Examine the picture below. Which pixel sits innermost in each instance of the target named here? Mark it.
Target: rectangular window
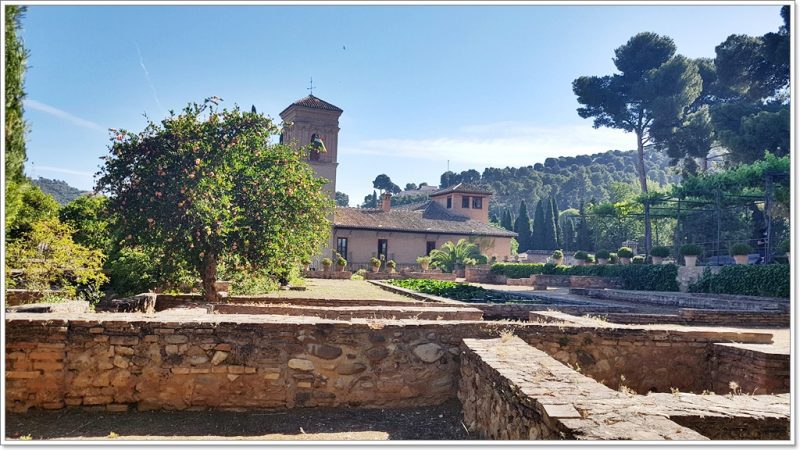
(449, 202)
(477, 202)
(341, 247)
(429, 247)
(383, 250)
(465, 202)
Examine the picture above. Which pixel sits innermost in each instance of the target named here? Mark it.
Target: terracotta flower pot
(740, 259)
(374, 268)
(424, 267)
(690, 260)
(558, 261)
(623, 260)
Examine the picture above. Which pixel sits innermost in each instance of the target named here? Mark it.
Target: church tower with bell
(315, 123)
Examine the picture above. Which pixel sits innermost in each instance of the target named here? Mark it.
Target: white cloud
(501, 144)
(55, 112)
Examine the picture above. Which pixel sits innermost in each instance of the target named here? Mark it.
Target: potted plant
(326, 264)
(580, 257)
(690, 252)
(424, 262)
(306, 262)
(590, 259)
(602, 256)
(613, 258)
(391, 265)
(558, 257)
(341, 263)
(375, 264)
(658, 253)
(625, 254)
(740, 252)
(638, 259)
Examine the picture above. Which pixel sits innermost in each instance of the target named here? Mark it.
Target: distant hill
(59, 189)
(569, 178)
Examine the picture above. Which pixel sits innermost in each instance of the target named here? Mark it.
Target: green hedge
(770, 280)
(639, 277)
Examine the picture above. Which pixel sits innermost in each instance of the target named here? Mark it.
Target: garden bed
(460, 291)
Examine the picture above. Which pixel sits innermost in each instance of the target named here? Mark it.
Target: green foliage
(613, 258)
(206, 183)
(602, 254)
(327, 262)
(506, 221)
(660, 251)
(26, 205)
(514, 247)
(522, 226)
(581, 255)
(375, 262)
(741, 249)
(453, 290)
(558, 254)
(772, 280)
(16, 60)
(455, 256)
(625, 252)
(342, 199)
(638, 259)
(391, 264)
(538, 232)
(641, 277)
(370, 201)
(60, 190)
(691, 250)
(423, 260)
(400, 200)
(784, 246)
(340, 261)
(132, 271)
(384, 183)
(87, 215)
(51, 259)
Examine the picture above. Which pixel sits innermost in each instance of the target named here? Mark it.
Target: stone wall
(16, 297)
(479, 274)
(753, 319)
(754, 370)
(328, 275)
(510, 390)
(689, 275)
(267, 361)
(428, 312)
(689, 300)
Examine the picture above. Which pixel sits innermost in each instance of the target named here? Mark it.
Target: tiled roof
(463, 188)
(314, 102)
(424, 218)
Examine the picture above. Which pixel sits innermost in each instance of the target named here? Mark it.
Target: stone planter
(658, 259)
(558, 261)
(624, 260)
(690, 260)
(340, 268)
(326, 268)
(222, 286)
(391, 270)
(460, 273)
(740, 259)
(374, 268)
(602, 261)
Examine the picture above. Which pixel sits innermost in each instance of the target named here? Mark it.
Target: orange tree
(208, 184)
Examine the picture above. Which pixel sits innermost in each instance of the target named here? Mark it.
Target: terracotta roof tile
(314, 102)
(425, 218)
(463, 187)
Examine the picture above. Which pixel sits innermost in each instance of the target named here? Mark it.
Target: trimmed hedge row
(639, 277)
(772, 280)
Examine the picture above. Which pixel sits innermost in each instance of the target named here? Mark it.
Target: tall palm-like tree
(455, 256)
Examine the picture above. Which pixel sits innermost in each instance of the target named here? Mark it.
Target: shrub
(613, 258)
(625, 252)
(305, 261)
(589, 258)
(326, 262)
(391, 264)
(691, 250)
(660, 251)
(785, 246)
(558, 254)
(359, 275)
(132, 271)
(454, 256)
(602, 254)
(581, 255)
(640, 277)
(375, 262)
(740, 249)
(771, 280)
(638, 259)
(456, 291)
(423, 260)
(340, 261)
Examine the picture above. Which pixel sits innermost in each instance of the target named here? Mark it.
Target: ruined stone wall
(116, 360)
(754, 371)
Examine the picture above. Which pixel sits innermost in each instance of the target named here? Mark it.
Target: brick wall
(752, 369)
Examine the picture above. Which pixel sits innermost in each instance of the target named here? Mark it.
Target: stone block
(301, 364)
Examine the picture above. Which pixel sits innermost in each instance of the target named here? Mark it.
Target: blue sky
(420, 85)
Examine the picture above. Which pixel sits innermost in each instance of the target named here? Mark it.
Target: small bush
(424, 260)
(590, 259)
(785, 246)
(391, 264)
(638, 259)
(453, 290)
(375, 262)
(581, 255)
(691, 250)
(771, 280)
(340, 261)
(740, 249)
(625, 252)
(326, 262)
(602, 254)
(613, 258)
(640, 277)
(558, 254)
(660, 251)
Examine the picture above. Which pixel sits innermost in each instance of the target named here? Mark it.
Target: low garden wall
(118, 361)
(16, 297)
(328, 275)
(428, 312)
(754, 370)
(753, 319)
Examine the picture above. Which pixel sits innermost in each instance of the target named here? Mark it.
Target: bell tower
(315, 123)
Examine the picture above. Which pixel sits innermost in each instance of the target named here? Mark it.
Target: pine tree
(538, 236)
(522, 226)
(507, 221)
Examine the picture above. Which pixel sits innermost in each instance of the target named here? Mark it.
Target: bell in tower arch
(317, 147)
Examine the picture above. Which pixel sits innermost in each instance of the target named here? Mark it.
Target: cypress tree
(538, 236)
(522, 226)
(559, 236)
(584, 234)
(549, 227)
(568, 238)
(506, 221)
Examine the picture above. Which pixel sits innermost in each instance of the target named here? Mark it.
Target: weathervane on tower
(310, 87)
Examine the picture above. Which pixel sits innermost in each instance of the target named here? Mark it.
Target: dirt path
(425, 423)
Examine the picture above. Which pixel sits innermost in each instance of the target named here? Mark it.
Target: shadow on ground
(441, 422)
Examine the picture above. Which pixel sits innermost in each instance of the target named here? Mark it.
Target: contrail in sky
(147, 76)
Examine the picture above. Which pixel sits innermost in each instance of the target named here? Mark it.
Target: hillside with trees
(60, 190)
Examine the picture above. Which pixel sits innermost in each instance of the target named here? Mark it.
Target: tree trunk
(643, 183)
(209, 275)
